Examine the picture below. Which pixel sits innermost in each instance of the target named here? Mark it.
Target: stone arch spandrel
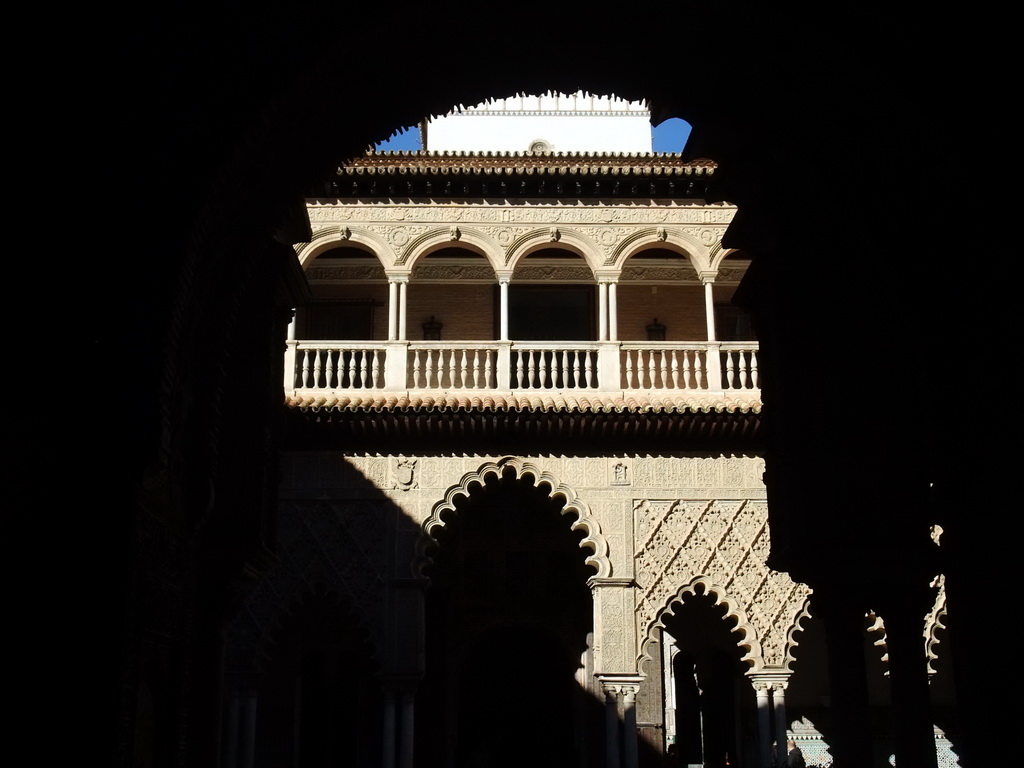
(593, 540)
(724, 544)
(689, 247)
(454, 235)
(331, 237)
(354, 569)
(553, 237)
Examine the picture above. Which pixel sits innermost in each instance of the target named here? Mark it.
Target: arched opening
(714, 704)
(507, 619)
(552, 297)
(319, 695)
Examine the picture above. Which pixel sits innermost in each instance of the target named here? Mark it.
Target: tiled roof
(530, 163)
(544, 403)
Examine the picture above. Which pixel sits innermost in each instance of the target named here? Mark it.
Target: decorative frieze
(542, 215)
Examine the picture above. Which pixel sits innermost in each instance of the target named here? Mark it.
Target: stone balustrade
(325, 367)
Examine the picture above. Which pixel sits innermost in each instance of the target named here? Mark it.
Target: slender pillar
(231, 731)
(843, 619)
(388, 754)
(763, 723)
(629, 738)
(503, 308)
(709, 307)
(291, 326)
(913, 731)
(406, 740)
(602, 311)
(613, 313)
(611, 726)
(247, 748)
(402, 303)
(392, 309)
(781, 737)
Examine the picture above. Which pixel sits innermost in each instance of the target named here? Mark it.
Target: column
(247, 748)
(388, 753)
(613, 313)
(629, 727)
(611, 726)
(503, 308)
(406, 738)
(392, 309)
(779, 705)
(913, 730)
(843, 619)
(402, 302)
(602, 311)
(231, 731)
(709, 307)
(763, 723)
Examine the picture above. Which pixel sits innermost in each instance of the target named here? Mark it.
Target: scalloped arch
(692, 248)
(748, 635)
(541, 238)
(285, 608)
(441, 236)
(594, 539)
(325, 239)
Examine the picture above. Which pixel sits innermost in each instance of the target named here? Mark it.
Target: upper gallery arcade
(538, 261)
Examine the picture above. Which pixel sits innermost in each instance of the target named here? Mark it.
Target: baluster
(519, 368)
(362, 367)
(465, 368)
(332, 369)
(453, 370)
(698, 371)
(588, 372)
(675, 369)
(375, 370)
(305, 368)
(576, 367)
(561, 379)
(530, 369)
(729, 370)
(317, 365)
(351, 373)
(542, 368)
(429, 369)
(688, 381)
(663, 365)
(416, 369)
(489, 382)
(652, 379)
(755, 380)
(629, 368)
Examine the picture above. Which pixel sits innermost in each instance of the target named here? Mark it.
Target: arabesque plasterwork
(725, 541)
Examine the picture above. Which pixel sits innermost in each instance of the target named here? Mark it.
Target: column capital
(607, 276)
(628, 685)
(707, 276)
(775, 680)
(503, 275)
(398, 277)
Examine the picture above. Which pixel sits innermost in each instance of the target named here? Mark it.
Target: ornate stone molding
(722, 545)
(594, 540)
(337, 544)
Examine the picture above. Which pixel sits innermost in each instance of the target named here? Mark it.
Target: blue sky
(670, 136)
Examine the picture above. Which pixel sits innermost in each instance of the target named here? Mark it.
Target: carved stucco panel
(341, 544)
(678, 540)
(615, 643)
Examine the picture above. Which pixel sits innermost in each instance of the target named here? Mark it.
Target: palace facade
(522, 515)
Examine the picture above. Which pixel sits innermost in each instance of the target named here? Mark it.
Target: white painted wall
(568, 122)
